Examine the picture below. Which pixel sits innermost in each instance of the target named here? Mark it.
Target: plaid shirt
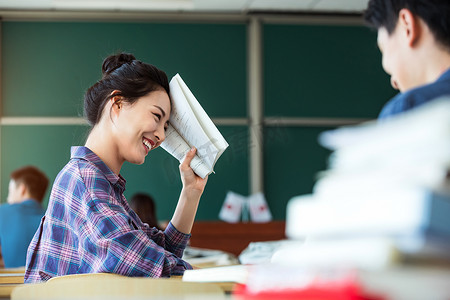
(89, 228)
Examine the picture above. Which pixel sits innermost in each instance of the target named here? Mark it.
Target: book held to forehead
(190, 126)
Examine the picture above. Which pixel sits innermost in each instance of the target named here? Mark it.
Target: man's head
(27, 183)
(406, 29)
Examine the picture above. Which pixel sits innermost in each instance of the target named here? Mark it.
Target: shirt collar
(444, 76)
(28, 202)
(85, 153)
(31, 202)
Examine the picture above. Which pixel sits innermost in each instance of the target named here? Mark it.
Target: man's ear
(410, 26)
(22, 190)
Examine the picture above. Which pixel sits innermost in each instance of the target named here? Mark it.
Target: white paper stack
(386, 193)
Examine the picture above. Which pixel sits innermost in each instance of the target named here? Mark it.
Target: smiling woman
(127, 130)
(89, 226)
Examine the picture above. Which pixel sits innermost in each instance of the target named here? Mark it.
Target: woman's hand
(192, 183)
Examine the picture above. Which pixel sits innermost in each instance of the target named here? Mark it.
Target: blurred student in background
(20, 217)
(144, 206)
(414, 39)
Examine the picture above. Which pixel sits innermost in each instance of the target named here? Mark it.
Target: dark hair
(144, 206)
(132, 78)
(435, 13)
(34, 179)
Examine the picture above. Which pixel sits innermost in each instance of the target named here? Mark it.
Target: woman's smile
(148, 144)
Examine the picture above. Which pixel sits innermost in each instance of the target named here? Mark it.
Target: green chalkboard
(292, 157)
(329, 71)
(47, 66)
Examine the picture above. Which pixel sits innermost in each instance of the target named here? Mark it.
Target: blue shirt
(417, 96)
(18, 223)
(90, 228)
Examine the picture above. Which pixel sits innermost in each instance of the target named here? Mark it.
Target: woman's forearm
(184, 215)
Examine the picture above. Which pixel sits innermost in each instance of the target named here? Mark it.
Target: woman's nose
(160, 135)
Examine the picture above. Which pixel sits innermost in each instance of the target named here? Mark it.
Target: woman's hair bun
(113, 62)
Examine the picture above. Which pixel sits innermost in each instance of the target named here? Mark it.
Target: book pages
(190, 127)
(178, 147)
(205, 122)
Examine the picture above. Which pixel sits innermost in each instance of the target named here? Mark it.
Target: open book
(190, 126)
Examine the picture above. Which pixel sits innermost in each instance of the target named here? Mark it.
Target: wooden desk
(8, 281)
(234, 238)
(13, 270)
(104, 286)
(11, 277)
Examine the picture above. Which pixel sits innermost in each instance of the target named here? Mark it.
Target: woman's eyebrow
(162, 111)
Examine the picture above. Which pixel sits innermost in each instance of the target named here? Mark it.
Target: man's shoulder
(414, 98)
(8, 211)
(5, 208)
(27, 207)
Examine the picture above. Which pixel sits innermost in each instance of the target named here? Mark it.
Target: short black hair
(435, 13)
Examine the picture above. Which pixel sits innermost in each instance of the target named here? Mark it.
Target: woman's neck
(103, 146)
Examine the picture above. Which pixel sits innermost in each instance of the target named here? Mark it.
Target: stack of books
(377, 225)
(385, 197)
(381, 210)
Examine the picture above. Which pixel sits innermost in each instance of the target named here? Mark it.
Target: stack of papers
(411, 150)
(385, 196)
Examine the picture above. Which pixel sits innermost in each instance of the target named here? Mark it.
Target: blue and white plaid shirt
(90, 228)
